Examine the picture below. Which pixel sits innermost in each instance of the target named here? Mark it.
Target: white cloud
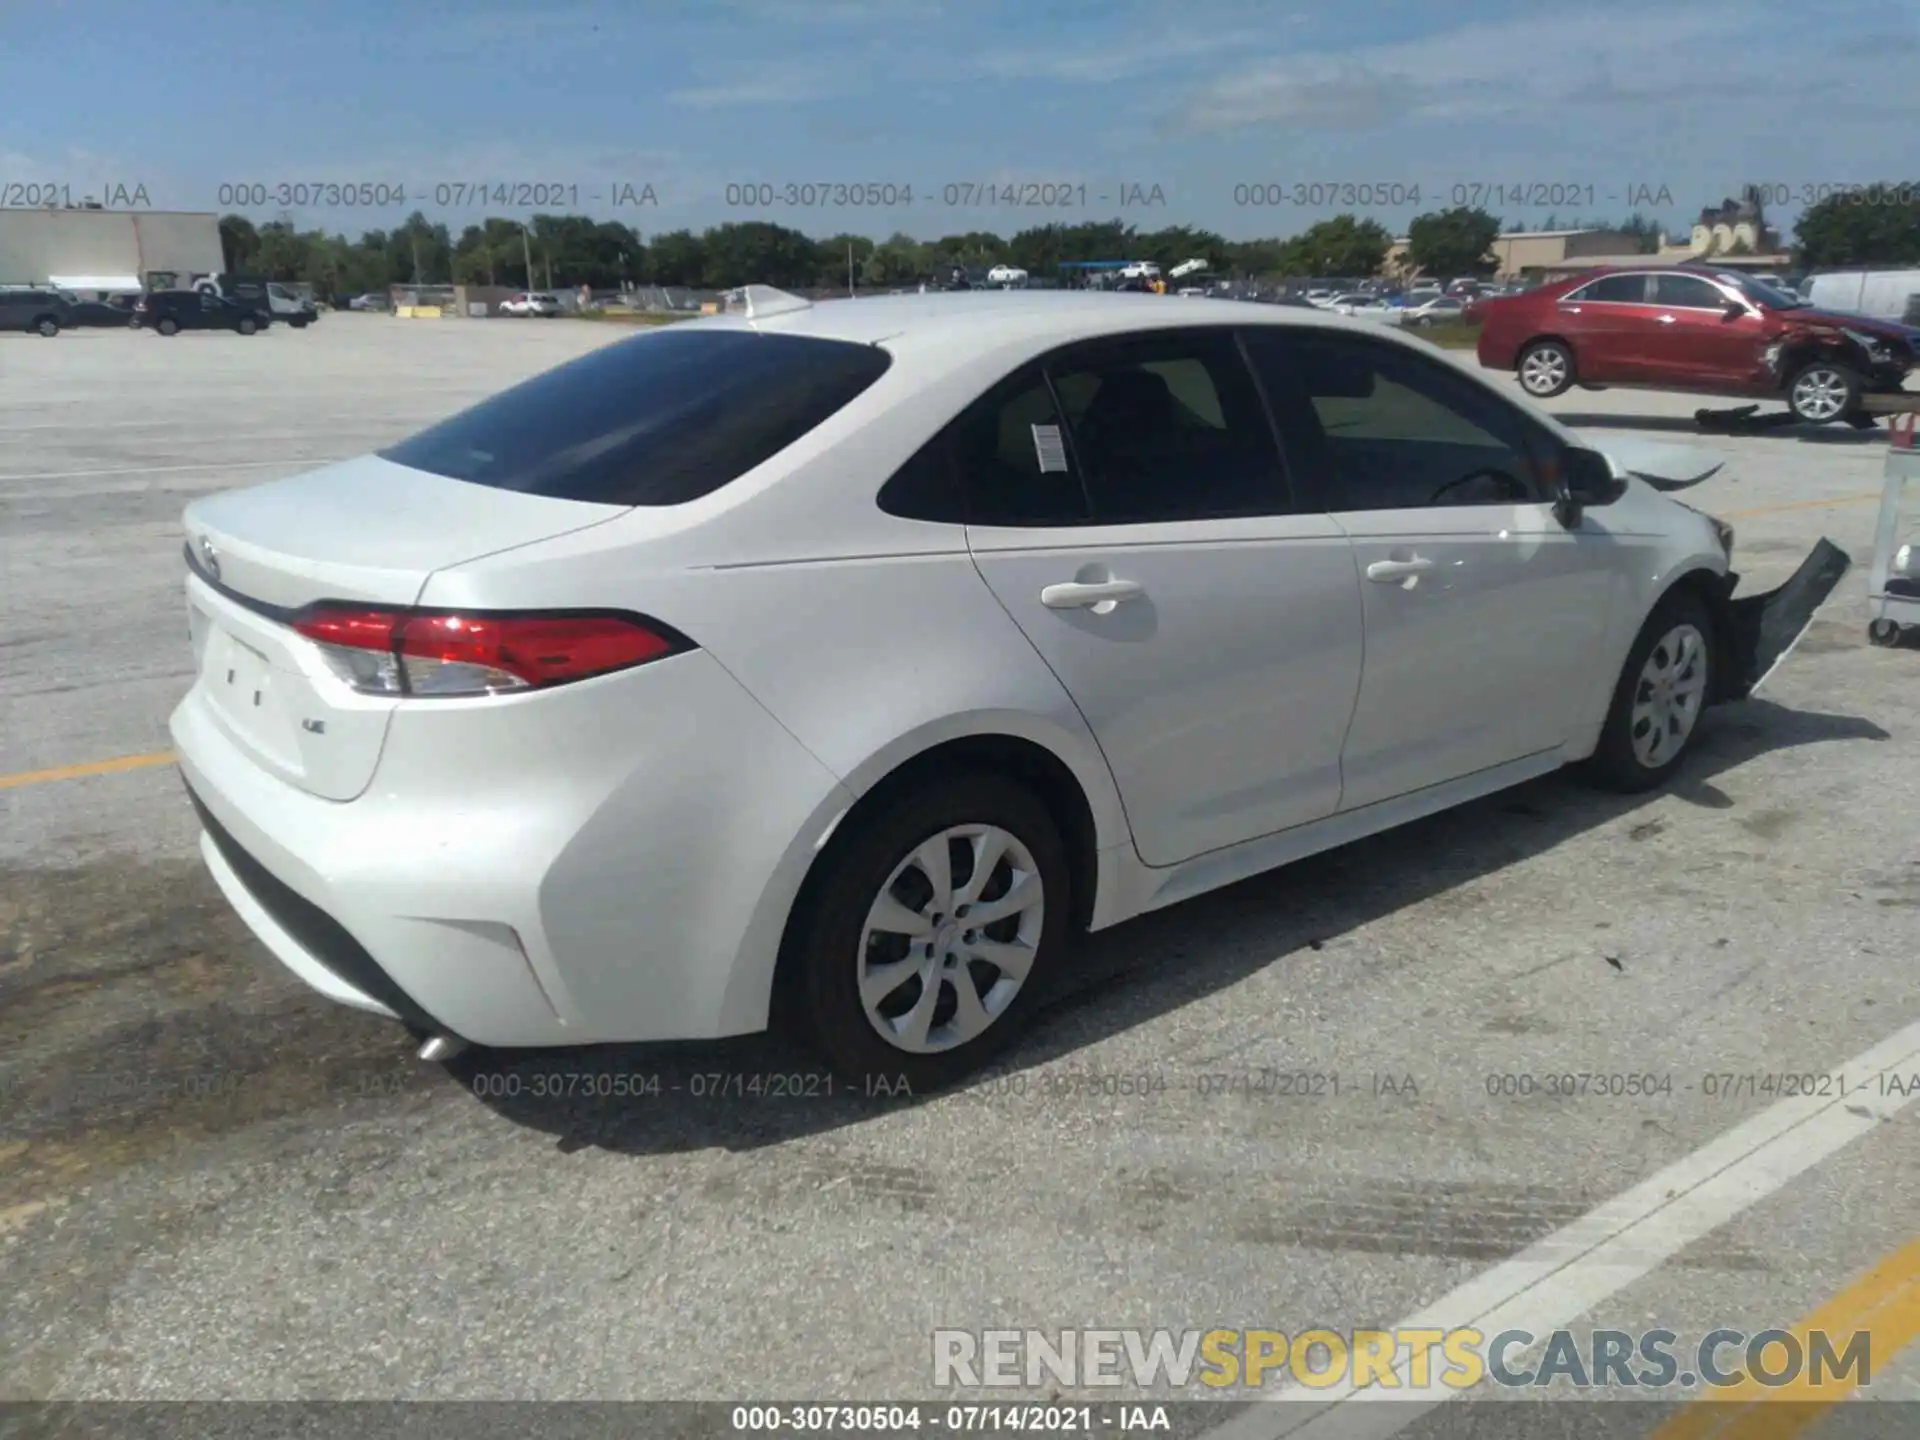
(1103, 64)
(1689, 64)
(775, 83)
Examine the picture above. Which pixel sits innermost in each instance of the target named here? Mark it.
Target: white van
(1883, 294)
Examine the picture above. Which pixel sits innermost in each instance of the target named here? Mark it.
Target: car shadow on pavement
(762, 1090)
(1844, 435)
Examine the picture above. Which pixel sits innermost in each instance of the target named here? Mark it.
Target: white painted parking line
(1552, 1283)
(149, 469)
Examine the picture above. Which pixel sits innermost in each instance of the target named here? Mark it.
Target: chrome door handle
(1664, 319)
(1392, 572)
(1082, 595)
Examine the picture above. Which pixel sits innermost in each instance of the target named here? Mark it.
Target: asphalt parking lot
(213, 1185)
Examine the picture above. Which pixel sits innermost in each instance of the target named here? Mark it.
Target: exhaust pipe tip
(437, 1049)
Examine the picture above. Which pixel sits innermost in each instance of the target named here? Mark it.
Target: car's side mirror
(1733, 310)
(1586, 480)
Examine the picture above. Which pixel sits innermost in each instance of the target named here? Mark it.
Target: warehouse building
(87, 250)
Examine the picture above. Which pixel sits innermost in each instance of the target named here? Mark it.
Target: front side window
(1687, 292)
(1169, 426)
(657, 420)
(1379, 427)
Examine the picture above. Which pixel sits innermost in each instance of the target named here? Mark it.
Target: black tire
(1551, 371)
(1616, 764)
(824, 945)
(247, 325)
(298, 324)
(1823, 391)
(47, 325)
(168, 326)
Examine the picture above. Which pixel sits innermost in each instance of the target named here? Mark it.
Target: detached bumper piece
(1765, 628)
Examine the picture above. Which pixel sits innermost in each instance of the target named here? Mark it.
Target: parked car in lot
(534, 729)
(1434, 309)
(1698, 330)
(530, 303)
(113, 314)
(42, 312)
(370, 302)
(1366, 307)
(168, 312)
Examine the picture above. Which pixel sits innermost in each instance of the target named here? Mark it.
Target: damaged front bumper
(1761, 630)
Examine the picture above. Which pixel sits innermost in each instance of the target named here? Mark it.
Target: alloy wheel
(1820, 394)
(949, 940)
(1544, 370)
(1668, 696)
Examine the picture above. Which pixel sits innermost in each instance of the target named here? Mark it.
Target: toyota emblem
(209, 558)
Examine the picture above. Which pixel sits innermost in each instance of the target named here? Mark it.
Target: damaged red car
(1698, 330)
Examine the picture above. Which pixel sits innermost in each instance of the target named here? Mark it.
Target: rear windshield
(657, 420)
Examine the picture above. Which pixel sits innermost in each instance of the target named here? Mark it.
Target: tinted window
(1687, 292)
(1378, 427)
(1628, 289)
(1011, 453)
(1169, 427)
(656, 420)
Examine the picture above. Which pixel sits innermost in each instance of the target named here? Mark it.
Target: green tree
(239, 243)
(1878, 227)
(280, 254)
(677, 258)
(1453, 242)
(757, 252)
(834, 252)
(1648, 233)
(1344, 245)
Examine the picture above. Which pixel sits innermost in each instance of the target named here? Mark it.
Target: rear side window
(657, 420)
(1618, 289)
(1168, 426)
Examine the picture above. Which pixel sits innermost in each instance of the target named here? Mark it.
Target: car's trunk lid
(364, 531)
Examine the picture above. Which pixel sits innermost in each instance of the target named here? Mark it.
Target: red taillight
(402, 652)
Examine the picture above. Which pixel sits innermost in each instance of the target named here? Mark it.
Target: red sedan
(1700, 330)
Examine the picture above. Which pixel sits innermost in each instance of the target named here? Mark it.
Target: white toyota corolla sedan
(837, 664)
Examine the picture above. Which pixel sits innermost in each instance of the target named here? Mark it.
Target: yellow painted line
(77, 772)
(1885, 1302)
(1786, 505)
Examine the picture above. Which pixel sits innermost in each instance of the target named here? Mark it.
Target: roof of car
(976, 317)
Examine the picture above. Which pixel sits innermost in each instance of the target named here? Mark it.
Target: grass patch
(1448, 334)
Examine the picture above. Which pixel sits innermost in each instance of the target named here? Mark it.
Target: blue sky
(1588, 105)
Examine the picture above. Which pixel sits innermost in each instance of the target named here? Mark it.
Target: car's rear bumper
(538, 870)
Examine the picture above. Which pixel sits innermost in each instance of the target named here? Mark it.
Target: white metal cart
(1893, 584)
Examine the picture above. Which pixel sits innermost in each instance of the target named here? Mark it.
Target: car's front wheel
(247, 325)
(1546, 369)
(47, 326)
(169, 326)
(917, 953)
(1822, 391)
(1663, 690)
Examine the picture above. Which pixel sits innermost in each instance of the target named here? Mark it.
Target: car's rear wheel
(168, 327)
(1822, 391)
(1662, 692)
(47, 326)
(247, 325)
(1546, 369)
(917, 953)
